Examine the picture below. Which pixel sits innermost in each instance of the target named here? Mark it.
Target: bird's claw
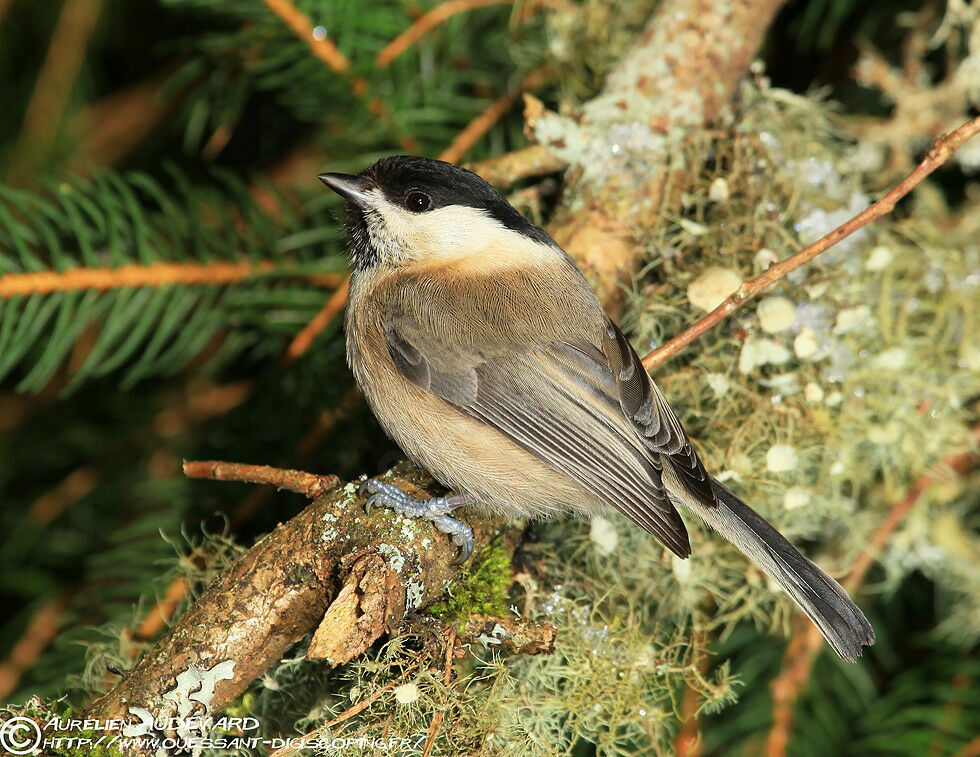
(436, 509)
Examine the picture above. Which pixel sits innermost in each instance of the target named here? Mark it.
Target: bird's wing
(587, 410)
(646, 407)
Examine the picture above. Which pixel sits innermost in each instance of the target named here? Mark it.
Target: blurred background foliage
(188, 133)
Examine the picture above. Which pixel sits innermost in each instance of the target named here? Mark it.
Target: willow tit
(487, 358)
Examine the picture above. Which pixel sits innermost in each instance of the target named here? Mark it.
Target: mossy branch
(333, 566)
(677, 77)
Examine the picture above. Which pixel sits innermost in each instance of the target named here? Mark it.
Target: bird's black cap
(446, 184)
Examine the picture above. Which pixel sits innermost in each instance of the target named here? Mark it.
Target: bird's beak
(351, 188)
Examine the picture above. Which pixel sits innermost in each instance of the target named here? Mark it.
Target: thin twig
(309, 485)
(806, 643)
(302, 341)
(155, 274)
(322, 47)
(480, 125)
(41, 629)
(45, 109)
(446, 680)
(428, 21)
(942, 150)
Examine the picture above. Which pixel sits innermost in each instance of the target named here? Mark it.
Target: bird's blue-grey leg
(436, 509)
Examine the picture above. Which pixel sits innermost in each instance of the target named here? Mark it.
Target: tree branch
(151, 275)
(285, 586)
(678, 76)
(941, 152)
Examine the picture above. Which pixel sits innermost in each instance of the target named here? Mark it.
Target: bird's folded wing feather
(589, 411)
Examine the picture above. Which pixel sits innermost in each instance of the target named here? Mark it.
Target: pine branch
(111, 254)
(322, 46)
(129, 277)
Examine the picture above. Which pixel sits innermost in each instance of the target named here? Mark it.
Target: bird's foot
(436, 509)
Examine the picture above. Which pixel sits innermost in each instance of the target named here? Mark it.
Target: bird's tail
(823, 600)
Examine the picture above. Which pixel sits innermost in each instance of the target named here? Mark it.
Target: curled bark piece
(371, 602)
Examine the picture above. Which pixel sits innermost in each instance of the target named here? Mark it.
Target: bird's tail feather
(823, 600)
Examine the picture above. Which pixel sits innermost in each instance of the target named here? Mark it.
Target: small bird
(487, 357)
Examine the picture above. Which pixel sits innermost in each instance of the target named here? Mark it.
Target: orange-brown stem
(426, 22)
(153, 275)
(309, 485)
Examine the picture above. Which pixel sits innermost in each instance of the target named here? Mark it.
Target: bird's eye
(418, 202)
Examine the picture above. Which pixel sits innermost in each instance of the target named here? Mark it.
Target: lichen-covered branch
(678, 76)
(352, 574)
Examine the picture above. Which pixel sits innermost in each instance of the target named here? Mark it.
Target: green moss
(482, 591)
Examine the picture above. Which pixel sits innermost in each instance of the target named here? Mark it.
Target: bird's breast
(461, 452)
